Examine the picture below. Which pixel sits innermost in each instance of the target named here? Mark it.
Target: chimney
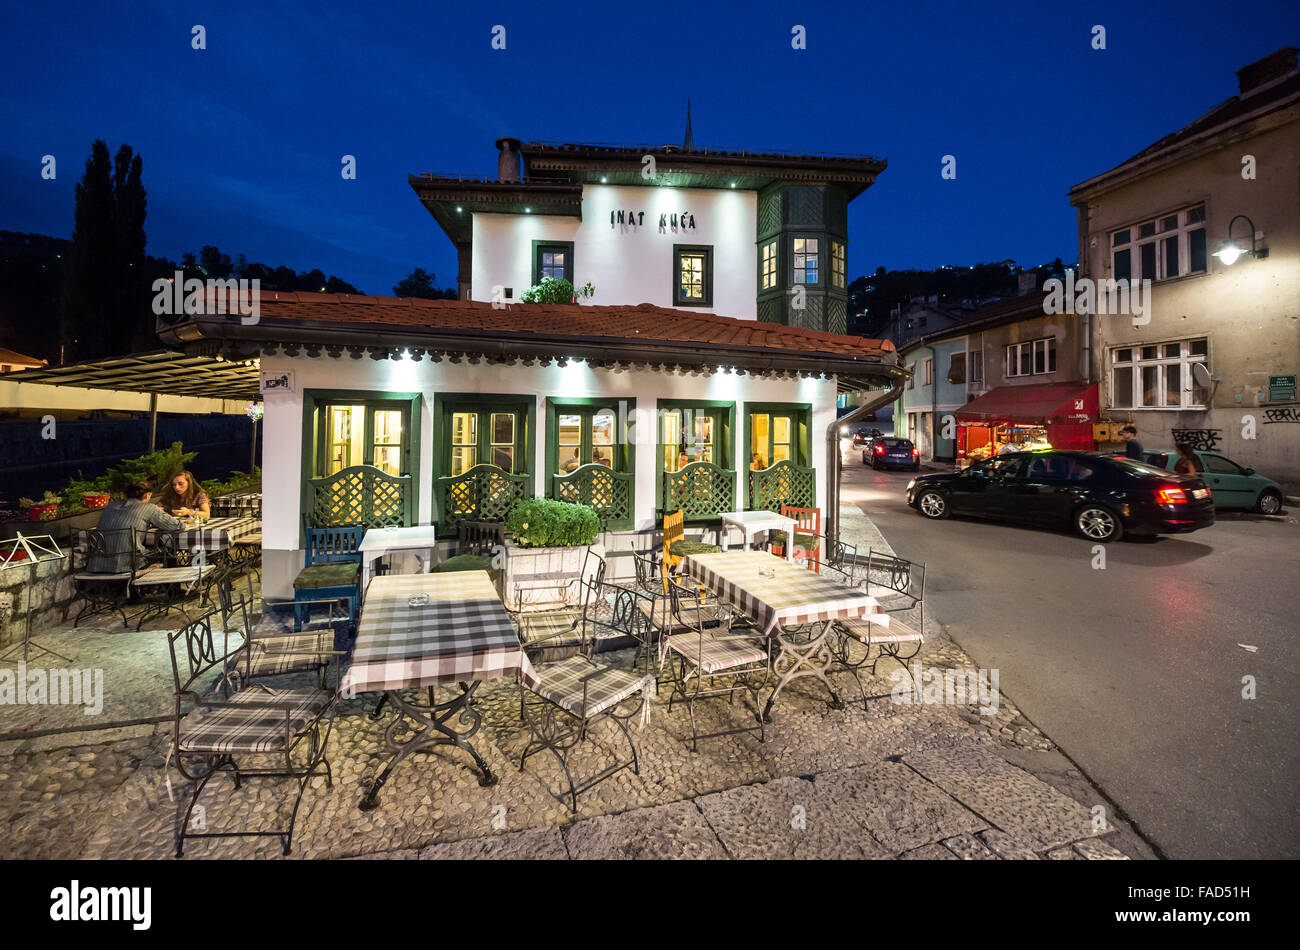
(509, 164)
(1265, 71)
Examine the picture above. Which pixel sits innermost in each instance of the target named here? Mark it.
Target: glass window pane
(671, 424)
(1173, 384)
(462, 459)
(464, 428)
(1040, 357)
(759, 430)
(1171, 256)
(1170, 223)
(568, 458)
(503, 457)
(1148, 252)
(1150, 352)
(703, 428)
(673, 458)
(570, 430)
(1026, 355)
(1173, 349)
(1122, 388)
(781, 429)
(1198, 347)
(1196, 214)
(1147, 230)
(503, 428)
(1150, 385)
(1120, 237)
(780, 452)
(1196, 259)
(388, 459)
(1124, 356)
(1124, 264)
(602, 428)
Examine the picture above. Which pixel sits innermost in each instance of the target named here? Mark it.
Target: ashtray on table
(418, 600)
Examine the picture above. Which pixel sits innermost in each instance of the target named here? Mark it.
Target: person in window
(599, 457)
(119, 519)
(184, 497)
(1132, 447)
(1188, 463)
(756, 462)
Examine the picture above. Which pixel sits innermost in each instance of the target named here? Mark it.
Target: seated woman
(185, 498)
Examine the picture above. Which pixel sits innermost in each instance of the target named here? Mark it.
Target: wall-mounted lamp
(1230, 250)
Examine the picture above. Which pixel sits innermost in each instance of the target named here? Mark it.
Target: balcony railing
(605, 491)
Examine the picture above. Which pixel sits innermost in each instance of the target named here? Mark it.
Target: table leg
(812, 658)
(725, 536)
(434, 732)
(789, 547)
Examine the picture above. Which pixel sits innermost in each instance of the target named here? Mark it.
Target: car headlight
(911, 483)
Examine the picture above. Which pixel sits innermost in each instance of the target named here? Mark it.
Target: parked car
(884, 452)
(864, 437)
(1102, 497)
(1233, 485)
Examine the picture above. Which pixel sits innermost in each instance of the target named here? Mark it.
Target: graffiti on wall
(1284, 414)
(1202, 440)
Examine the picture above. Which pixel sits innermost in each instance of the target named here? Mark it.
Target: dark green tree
(420, 283)
(134, 329)
(88, 297)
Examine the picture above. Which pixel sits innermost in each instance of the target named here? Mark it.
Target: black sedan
(1100, 496)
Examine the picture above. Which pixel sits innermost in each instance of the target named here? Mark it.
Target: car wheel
(1098, 523)
(875, 463)
(932, 504)
(1270, 502)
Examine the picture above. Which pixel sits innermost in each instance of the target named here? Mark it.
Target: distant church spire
(689, 142)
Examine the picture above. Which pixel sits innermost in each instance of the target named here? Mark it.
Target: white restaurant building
(681, 384)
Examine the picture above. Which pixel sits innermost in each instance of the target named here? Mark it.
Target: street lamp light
(1230, 250)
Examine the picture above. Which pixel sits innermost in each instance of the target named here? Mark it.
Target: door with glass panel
(687, 436)
(485, 437)
(771, 439)
(585, 437)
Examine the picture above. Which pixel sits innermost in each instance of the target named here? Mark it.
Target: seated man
(132, 513)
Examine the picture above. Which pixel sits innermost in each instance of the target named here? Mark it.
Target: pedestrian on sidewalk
(1188, 463)
(1132, 447)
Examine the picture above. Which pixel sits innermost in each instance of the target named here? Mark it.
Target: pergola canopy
(165, 372)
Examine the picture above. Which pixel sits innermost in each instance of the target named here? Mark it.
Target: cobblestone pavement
(888, 780)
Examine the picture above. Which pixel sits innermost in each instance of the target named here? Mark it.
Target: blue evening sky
(242, 142)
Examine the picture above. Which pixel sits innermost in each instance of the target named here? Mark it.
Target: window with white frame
(1034, 358)
(1158, 375)
(975, 363)
(927, 371)
(1172, 245)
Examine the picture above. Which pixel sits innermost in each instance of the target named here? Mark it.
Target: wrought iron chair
(284, 729)
(105, 580)
(557, 629)
(175, 574)
(269, 647)
(807, 536)
(708, 650)
(331, 569)
(577, 692)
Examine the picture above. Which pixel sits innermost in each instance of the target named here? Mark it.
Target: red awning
(1040, 404)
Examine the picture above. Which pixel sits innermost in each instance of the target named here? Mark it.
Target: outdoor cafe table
(463, 635)
(752, 522)
(381, 541)
(218, 534)
(248, 502)
(791, 597)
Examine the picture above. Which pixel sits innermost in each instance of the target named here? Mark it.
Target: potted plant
(47, 509)
(556, 290)
(95, 499)
(12, 551)
(546, 555)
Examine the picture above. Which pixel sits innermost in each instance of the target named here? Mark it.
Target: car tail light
(916, 451)
(1171, 496)
(880, 450)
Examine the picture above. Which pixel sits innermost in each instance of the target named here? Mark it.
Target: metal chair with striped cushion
(283, 731)
(707, 650)
(577, 692)
(887, 635)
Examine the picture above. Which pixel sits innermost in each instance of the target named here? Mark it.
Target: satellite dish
(1201, 373)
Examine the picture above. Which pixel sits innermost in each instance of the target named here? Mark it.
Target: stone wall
(51, 596)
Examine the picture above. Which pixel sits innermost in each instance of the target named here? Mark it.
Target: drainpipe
(934, 394)
(898, 375)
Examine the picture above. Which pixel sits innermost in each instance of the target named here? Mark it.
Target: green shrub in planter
(542, 523)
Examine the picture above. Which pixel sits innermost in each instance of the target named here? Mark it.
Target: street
(1135, 670)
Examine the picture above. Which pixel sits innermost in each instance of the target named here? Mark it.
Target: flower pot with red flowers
(95, 500)
(47, 509)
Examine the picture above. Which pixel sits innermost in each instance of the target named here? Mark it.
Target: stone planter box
(61, 529)
(545, 578)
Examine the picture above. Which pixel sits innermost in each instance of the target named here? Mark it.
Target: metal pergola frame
(159, 373)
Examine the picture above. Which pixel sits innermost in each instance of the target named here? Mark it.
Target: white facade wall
(628, 264)
(282, 447)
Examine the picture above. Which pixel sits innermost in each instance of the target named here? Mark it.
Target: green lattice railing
(783, 484)
(361, 494)
(605, 491)
(484, 493)
(701, 490)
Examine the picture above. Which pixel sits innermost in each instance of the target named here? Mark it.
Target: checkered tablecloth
(463, 634)
(238, 503)
(219, 533)
(793, 595)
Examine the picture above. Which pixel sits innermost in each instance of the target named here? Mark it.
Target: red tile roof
(640, 322)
